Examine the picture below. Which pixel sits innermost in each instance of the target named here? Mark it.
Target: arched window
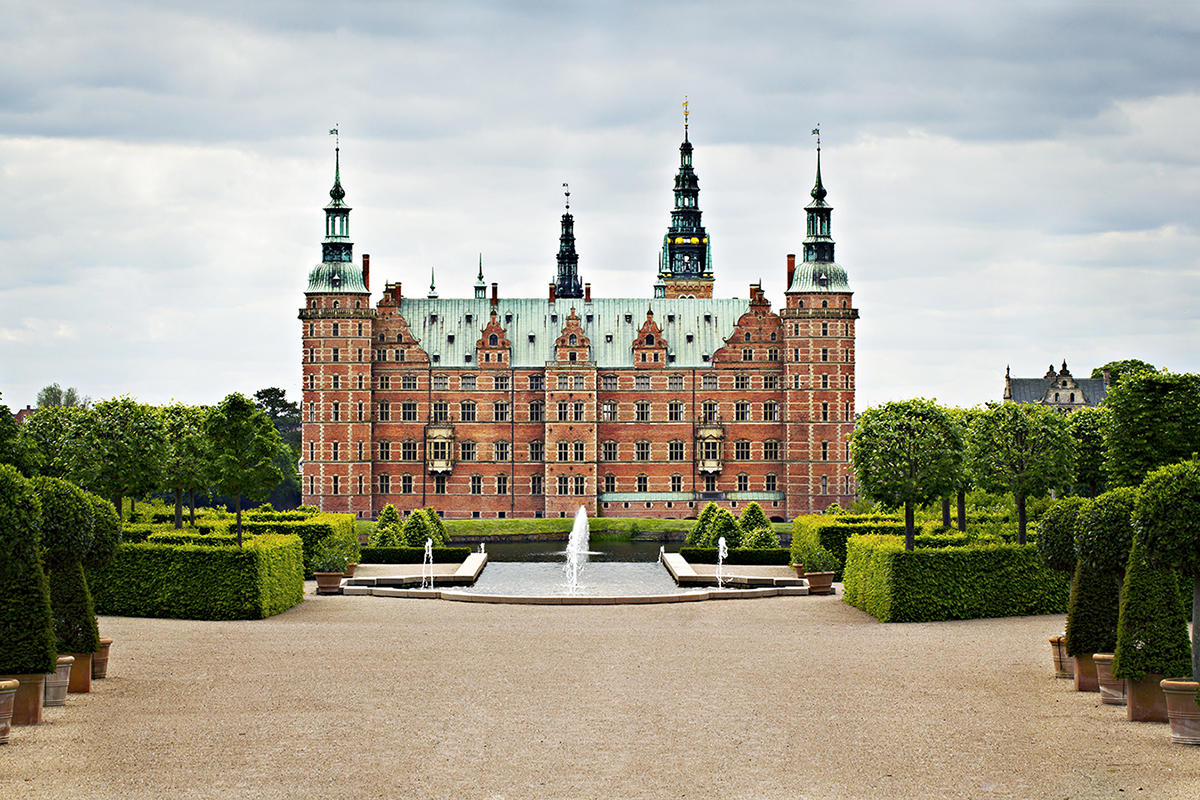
(572, 340)
(650, 339)
(336, 304)
(493, 341)
(824, 304)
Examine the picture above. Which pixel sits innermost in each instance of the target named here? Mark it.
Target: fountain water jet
(577, 550)
(428, 562)
(722, 554)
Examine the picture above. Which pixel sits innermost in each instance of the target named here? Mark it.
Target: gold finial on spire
(685, 114)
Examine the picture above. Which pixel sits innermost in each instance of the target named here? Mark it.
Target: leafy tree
(120, 450)
(962, 418)
(761, 538)
(906, 453)
(436, 527)
(1155, 421)
(1167, 517)
(723, 524)
(26, 621)
(1088, 426)
(389, 516)
(49, 437)
(1118, 370)
(1092, 612)
(55, 395)
(699, 532)
(416, 529)
(187, 463)
(244, 445)
(1152, 632)
(1104, 531)
(1023, 449)
(753, 518)
(284, 415)
(1056, 534)
(67, 538)
(13, 449)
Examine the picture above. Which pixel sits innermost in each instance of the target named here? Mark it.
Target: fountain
(722, 554)
(577, 550)
(427, 563)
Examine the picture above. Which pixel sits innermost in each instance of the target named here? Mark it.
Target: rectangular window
(642, 383)
(441, 450)
(710, 411)
(476, 484)
(676, 451)
(385, 484)
(609, 383)
(824, 412)
(824, 353)
(643, 483)
(642, 449)
(580, 484)
(741, 382)
(385, 451)
(610, 483)
(710, 483)
(563, 484)
(336, 382)
(824, 484)
(439, 484)
(335, 452)
(535, 383)
(747, 354)
(643, 412)
(741, 412)
(536, 411)
(500, 411)
(741, 450)
(710, 381)
(536, 450)
(564, 451)
(500, 383)
(578, 412)
(440, 383)
(743, 482)
(335, 358)
(771, 451)
(579, 450)
(675, 412)
(406, 485)
(564, 383)
(564, 411)
(360, 412)
(467, 383)
(676, 483)
(610, 451)
(580, 382)
(609, 411)
(441, 412)
(675, 383)
(501, 451)
(408, 451)
(466, 451)
(408, 411)
(359, 358)
(770, 381)
(771, 483)
(771, 412)
(535, 485)
(335, 484)
(501, 484)
(824, 451)
(772, 354)
(408, 381)
(711, 450)
(467, 411)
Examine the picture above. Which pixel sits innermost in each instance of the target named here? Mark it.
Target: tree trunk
(909, 537)
(239, 518)
(120, 512)
(1195, 611)
(192, 504)
(179, 509)
(1020, 519)
(132, 507)
(962, 510)
(945, 512)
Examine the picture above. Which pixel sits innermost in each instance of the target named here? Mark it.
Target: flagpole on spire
(567, 192)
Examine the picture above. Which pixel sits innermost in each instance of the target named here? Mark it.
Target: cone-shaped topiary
(1056, 534)
(763, 538)
(440, 538)
(1104, 531)
(723, 524)
(416, 529)
(1093, 612)
(1153, 632)
(389, 516)
(66, 520)
(75, 627)
(699, 533)
(26, 622)
(753, 517)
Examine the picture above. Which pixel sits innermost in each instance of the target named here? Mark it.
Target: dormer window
(467, 319)
(450, 338)
(690, 338)
(507, 319)
(629, 319)
(531, 338)
(608, 338)
(554, 317)
(670, 319)
(650, 340)
(708, 318)
(493, 340)
(572, 341)
(433, 317)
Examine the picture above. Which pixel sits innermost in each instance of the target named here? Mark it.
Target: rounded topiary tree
(66, 541)
(699, 532)
(26, 621)
(1167, 517)
(106, 532)
(723, 524)
(760, 539)
(1093, 611)
(1152, 636)
(1103, 534)
(1056, 534)
(1104, 531)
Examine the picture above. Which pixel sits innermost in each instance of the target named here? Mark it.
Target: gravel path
(788, 697)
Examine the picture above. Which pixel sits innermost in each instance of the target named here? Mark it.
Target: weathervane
(685, 116)
(567, 192)
(817, 133)
(337, 139)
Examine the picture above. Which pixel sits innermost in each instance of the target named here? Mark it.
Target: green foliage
(698, 535)
(412, 555)
(832, 533)
(49, 438)
(814, 557)
(106, 531)
(1168, 516)
(1155, 421)
(284, 414)
(75, 626)
(926, 585)
(1093, 611)
(436, 528)
(416, 529)
(187, 457)
(119, 449)
(333, 554)
(55, 395)
(388, 535)
(1119, 370)
(184, 537)
(1056, 534)
(1152, 635)
(311, 531)
(1023, 449)
(14, 450)
(244, 448)
(389, 516)
(66, 520)
(1088, 427)
(261, 578)
(723, 524)
(26, 622)
(753, 518)
(1104, 531)
(708, 555)
(907, 453)
(763, 538)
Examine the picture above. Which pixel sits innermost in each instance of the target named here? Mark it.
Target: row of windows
(502, 383)
(825, 329)
(564, 484)
(339, 329)
(566, 450)
(827, 354)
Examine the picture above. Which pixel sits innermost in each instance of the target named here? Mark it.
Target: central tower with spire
(567, 283)
(685, 266)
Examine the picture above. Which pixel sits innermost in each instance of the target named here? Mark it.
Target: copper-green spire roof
(818, 191)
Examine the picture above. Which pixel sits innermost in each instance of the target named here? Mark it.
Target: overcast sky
(1013, 183)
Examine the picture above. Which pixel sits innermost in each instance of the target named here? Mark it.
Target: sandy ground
(787, 697)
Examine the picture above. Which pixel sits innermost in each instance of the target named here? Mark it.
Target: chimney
(1107, 378)
(551, 291)
(791, 270)
(367, 272)
(587, 293)
(495, 294)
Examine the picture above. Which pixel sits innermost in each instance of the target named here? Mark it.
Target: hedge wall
(770, 556)
(310, 531)
(262, 578)
(929, 584)
(187, 537)
(832, 531)
(412, 555)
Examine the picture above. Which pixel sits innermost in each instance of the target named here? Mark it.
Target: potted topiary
(1103, 537)
(29, 650)
(330, 557)
(1056, 546)
(816, 565)
(1168, 521)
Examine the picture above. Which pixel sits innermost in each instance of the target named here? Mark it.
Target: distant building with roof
(1058, 390)
(488, 407)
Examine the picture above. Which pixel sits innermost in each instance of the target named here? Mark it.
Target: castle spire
(480, 286)
(337, 246)
(685, 266)
(818, 244)
(432, 290)
(567, 283)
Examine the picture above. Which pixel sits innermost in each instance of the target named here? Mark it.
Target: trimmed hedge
(26, 622)
(1093, 611)
(310, 530)
(1152, 634)
(412, 555)
(262, 578)
(928, 585)
(772, 556)
(833, 531)
(75, 626)
(204, 540)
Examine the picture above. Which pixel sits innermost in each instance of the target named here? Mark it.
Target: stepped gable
(758, 333)
(493, 350)
(650, 348)
(394, 338)
(572, 345)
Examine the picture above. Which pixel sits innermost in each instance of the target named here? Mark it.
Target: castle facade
(488, 407)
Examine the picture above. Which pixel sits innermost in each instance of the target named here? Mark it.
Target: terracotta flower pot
(8, 694)
(349, 573)
(799, 569)
(27, 702)
(328, 582)
(57, 682)
(1063, 666)
(100, 660)
(1182, 709)
(819, 582)
(1145, 700)
(81, 673)
(1112, 690)
(1085, 673)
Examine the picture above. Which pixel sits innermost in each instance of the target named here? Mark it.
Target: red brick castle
(496, 408)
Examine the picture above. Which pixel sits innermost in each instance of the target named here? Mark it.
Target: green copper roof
(819, 276)
(336, 277)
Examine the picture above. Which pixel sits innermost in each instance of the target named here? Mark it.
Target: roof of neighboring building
(708, 322)
(1033, 390)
